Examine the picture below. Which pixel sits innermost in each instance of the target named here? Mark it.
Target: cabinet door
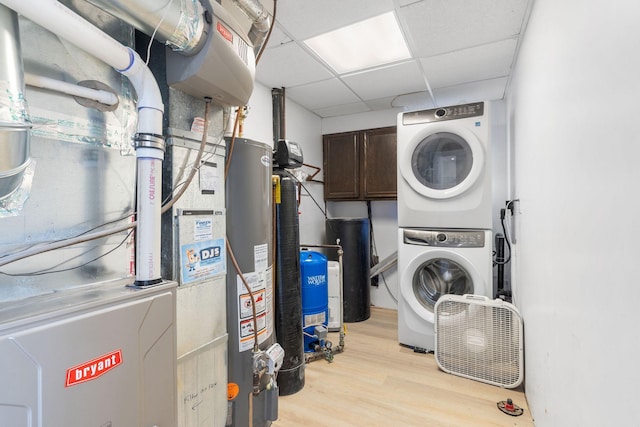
(379, 163)
(341, 166)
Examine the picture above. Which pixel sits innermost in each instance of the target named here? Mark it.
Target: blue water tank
(315, 295)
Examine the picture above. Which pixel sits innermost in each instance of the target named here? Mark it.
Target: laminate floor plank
(377, 382)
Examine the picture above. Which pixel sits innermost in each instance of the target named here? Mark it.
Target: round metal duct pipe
(261, 20)
(15, 125)
(180, 24)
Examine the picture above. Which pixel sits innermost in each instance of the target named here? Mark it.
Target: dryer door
(435, 273)
(443, 161)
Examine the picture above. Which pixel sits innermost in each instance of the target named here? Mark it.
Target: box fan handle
(476, 297)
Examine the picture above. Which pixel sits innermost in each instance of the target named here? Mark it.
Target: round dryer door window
(438, 277)
(442, 162)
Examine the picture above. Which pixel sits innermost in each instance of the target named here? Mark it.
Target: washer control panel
(446, 238)
(475, 109)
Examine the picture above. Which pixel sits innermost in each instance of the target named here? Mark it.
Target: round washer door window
(442, 161)
(440, 276)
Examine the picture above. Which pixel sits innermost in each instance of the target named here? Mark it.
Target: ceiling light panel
(365, 44)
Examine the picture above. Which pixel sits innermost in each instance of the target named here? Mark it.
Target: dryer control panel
(475, 109)
(446, 238)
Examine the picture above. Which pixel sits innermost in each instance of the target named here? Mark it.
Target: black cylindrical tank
(354, 238)
(288, 298)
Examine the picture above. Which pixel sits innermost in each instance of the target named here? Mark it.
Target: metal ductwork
(180, 24)
(15, 125)
(261, 21)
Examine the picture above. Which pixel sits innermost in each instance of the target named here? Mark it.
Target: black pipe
(277, 102)
(500, 263)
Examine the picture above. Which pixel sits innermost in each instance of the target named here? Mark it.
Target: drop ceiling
(462, 51)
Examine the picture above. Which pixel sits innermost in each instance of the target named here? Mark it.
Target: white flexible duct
(150, 150)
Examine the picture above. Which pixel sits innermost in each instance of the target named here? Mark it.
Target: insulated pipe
(261, 21)
(180, 24)
(14, 120)
(101, 96)
(149, 141)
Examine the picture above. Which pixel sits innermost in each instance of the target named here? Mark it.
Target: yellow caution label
(277, 189)
(232, 391)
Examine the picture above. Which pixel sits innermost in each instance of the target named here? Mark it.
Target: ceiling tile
(278, 37)
(381, 103)
(322, 94)
(407, 2)
(438, 26)
(387, 81)
(468, 65)
(414, 101)
(342, 110)
(307, 18)
(289, 65)
(486, 90)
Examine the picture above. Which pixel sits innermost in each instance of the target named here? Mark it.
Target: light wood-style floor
(377, 382)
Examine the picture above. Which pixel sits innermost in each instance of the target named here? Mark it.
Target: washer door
(435, 273)
(443, 161)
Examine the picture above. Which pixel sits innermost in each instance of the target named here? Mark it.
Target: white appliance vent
(480, 339)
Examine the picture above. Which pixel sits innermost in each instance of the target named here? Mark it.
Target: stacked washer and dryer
(444, 213)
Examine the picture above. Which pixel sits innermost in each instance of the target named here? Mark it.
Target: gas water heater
(254, 356)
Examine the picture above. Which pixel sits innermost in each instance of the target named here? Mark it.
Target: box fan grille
(480, 339)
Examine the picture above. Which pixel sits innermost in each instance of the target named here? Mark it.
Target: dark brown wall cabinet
(360, 165)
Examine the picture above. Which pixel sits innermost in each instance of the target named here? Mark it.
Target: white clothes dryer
(444, 171)
(432, 263)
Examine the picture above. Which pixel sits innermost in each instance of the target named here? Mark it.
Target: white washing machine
(432, 263)
(444, 171)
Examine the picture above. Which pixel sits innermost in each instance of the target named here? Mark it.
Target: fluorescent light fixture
(365, 44)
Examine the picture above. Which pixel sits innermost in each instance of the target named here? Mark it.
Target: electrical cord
(509, 207)
(324, 213)
(155, 30)
(248, 289)
(308, 192)
(196, 162)
(51, 271)
(227, 167)
(26, 247)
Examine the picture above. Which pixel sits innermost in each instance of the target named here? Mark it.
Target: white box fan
(480, 339)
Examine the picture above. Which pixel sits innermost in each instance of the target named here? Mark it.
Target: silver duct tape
(189, 33)
(113, 130)
(13, 204)
(13, 105)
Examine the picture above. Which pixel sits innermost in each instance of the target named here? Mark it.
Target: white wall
(573, 126)
(303, 127)
(360, 121)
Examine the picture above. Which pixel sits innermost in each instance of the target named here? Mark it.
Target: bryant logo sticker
(93, 369)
